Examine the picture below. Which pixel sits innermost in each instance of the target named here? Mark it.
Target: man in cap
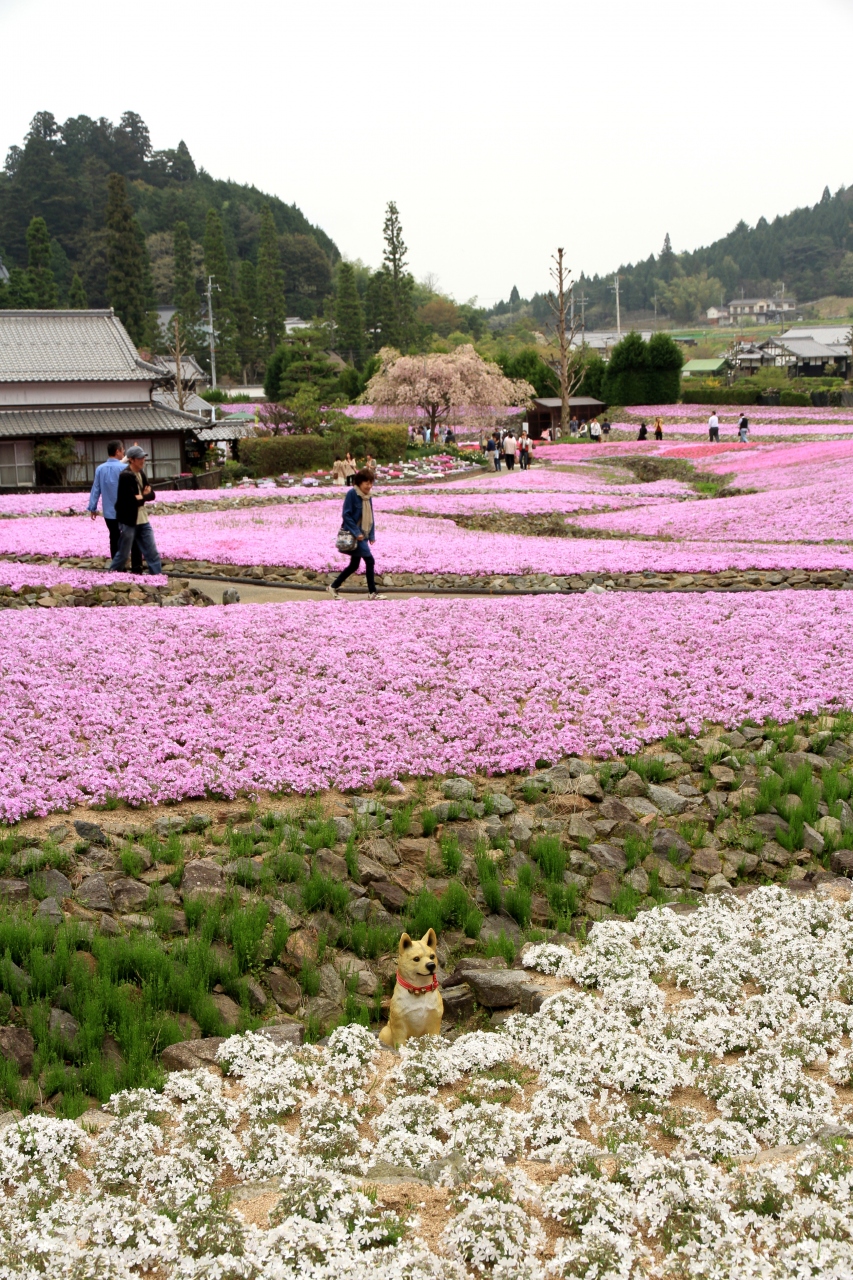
(105, 489)
(134, 492)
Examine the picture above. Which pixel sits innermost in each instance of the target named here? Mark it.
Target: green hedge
(719, 395)
(272, 455)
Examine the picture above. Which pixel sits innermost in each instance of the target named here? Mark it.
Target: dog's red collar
(433, 986)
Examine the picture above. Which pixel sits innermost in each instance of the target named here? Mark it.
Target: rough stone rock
(638, 880)
(829, 827)
(669, 844)
(458, 789)
(392, 897)
(94, 893)
(631, 785)
(495, 925)
(668, 875)
(230, 596)
(383, 851)
(54, 883)
(49, 909)
(285, 990)
(614, 810)
(108, 927)
(197, 822)
(330, 864)
(667, 801)
(723, 776)
(812, 840)
(180, 1057)
(63, 1025)
(458, 1001)
(604, 887)
(14, 890)
(229, 1010)
(370, 871)
(793, 759)
(360, 909)
(244, 870)
(300, 946)
(768, 824)
(706, 863)
(588, 785)
(257, 995)
(325, 1011)
(91, 831)
(203, 877)
(343, 827)
(841, 862)
(469, 964)
(128, 895)
(498, 988)
(111, 1052)
(17, 1046)
(168, 826)
(284, 1033)
(520, 831)
(580, 828)
(642, 807)
(59, 833)
(331, 986)
(501, 804)
(608, 856)
(718, 884)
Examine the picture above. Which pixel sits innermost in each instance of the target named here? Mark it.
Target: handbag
(346, 542)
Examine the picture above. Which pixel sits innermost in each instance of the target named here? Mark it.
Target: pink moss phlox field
(303, 537)
(311, 695)
(14, 574)
(731, 412)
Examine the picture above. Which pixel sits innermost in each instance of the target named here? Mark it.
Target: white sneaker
(333, 592)
(376, 595)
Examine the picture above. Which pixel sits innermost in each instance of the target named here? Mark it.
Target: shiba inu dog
(416, 1005)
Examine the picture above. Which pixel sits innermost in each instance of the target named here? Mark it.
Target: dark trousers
(525, 459)
(714, 435)
(510, 461)
(115, 538)
(497, 461)
(369, 567)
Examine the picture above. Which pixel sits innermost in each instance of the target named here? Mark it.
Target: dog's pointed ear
(405, 942)
(429, 939)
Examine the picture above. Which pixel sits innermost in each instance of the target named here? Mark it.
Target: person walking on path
(358, 520)
(105, 488)
(643, 433)
(509, 450)
(134, 492)
(595, 431)
(351, 467)
(524, 448)
(743, 429)
(714, 427)
(339, 471)
(658, 428)
(493, 448)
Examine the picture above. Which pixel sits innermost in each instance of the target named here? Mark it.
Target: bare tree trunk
(566, 330)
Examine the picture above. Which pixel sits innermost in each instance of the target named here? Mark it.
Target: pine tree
(379, 313)
(38, 265)
(666, 261)
(349, 316)
(270, 282)
(514, 297)
(400, 280)
(250, 342)
(216, 266)
(77, 299)
(126, 285)
(185, 296)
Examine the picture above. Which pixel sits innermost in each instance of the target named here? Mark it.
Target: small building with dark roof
(77, 374)
(545, 412)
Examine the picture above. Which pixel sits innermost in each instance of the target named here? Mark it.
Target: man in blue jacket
(105, 487)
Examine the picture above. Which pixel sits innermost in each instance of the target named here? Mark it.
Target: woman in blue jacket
(358, 520)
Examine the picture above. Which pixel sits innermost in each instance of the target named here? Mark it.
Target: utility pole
(583, 301)
(179, 380)
(614, 288)
(572, 297)
(210, 333)
(655, 301)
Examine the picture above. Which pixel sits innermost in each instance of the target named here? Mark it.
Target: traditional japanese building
(77, 375)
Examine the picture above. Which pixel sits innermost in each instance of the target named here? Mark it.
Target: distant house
(292, 323)
(77, 374)
(806, 358)
(747, 358)
(762, 310)
(718, 315)
(831, 335)
(193, 378)
(714, 368)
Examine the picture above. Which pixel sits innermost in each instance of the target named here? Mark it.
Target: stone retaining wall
(63, 596)
(727, 580)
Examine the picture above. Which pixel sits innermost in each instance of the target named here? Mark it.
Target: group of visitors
(594, 430)
(505, 446)
(122, 488)
(423, 434)
(657, 428)
(714, 428)
(345, 469)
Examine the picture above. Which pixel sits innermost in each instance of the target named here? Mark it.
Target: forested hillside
(809, 251)
(61, 174)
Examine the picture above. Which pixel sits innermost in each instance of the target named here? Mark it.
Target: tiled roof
(138, 420)
(68, 346)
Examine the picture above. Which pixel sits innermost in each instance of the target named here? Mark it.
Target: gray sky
(501, 130)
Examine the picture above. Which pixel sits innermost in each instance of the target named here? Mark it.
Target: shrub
(451, 854)
(272, 455)
(517, 903)
(323, 892)
(429, 822)
(502, 945)
(547, 851)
